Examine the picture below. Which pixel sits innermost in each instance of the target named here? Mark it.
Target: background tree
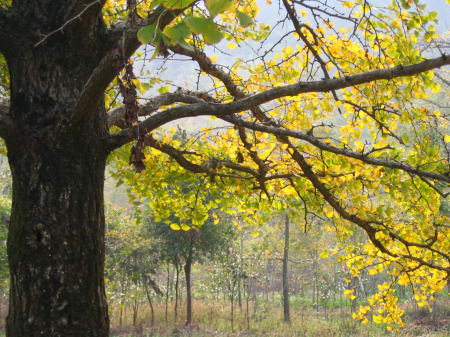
(64, 56)
(185, 246)
(131, 262)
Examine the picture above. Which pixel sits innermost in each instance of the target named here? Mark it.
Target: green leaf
(197, 24)
(244, 19)
(164, 89)
(178, 32)
(213, 35)
(177, 4)
(217, 6)
(206, 27)
(406, 4)
(149, 34)
(186, 45)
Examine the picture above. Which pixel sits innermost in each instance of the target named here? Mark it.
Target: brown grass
(214, 319)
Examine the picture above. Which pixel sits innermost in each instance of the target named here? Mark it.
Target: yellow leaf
(213, 59)
(373, 271)
(349, 293)
(354, 271)
(175, 227)
(288, 50)
(185, 227)
(447, 138)
(268, 2)
(348, 4)
(324, 254)
(255, 234)
(231, 45)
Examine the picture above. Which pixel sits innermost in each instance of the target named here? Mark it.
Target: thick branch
(113, 62)
(221, 110)
(155, 103)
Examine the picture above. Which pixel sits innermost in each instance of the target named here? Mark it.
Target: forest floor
(214, 321)
(419, 322)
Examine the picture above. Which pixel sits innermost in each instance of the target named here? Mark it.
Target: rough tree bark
(56, 234)
(55, 242)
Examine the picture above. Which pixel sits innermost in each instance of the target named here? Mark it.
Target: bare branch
(326, 85)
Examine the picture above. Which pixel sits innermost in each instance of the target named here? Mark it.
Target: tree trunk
(167, 294)
(150, 302)
(56, 234)
(56, 237)
(241, 272)
(177, 281)
(286, 311)
(187, 273)
(136, 305)
(232, 308)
